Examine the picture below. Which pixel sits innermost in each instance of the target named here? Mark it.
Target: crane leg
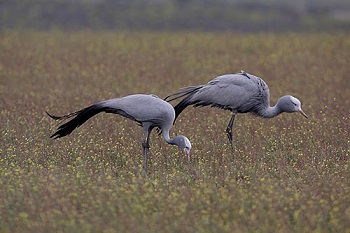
(229, 129)
(145, 147)
(145, 152)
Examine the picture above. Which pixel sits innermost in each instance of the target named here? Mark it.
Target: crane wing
(141, 108)
(226, 91)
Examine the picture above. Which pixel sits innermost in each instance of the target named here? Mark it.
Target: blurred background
(166, 15)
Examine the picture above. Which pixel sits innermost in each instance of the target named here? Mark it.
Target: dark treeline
(204, 15)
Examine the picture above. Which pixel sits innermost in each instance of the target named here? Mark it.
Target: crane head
(290, 104)
(297, 106)
(184, 144)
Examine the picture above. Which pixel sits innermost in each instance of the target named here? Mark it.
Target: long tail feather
(183, 92)
(63, 117)
(80, 118)
(187, 93)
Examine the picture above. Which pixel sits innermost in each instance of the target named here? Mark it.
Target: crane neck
(272, 111)
(165, 133)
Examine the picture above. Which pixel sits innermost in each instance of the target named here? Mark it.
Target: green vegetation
(287, 174)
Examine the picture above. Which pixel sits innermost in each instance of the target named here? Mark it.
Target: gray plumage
(148, 110)
(238, 93)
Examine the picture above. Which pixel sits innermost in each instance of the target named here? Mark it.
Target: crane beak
(187, 152)
(303, 113)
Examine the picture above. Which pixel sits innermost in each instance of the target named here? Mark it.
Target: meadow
(287, 174)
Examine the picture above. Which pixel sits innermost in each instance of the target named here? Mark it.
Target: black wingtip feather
(65, 129)
(53, 116)
(55, 136)
(181, 106)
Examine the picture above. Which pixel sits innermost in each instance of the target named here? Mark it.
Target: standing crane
(238, 93)
(148, 110)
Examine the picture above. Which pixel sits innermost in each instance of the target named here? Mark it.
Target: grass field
(287, 174)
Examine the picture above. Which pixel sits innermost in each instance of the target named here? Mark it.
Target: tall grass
(286, 174)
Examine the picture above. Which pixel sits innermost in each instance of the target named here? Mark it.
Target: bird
(148, 110)
(238, 93)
